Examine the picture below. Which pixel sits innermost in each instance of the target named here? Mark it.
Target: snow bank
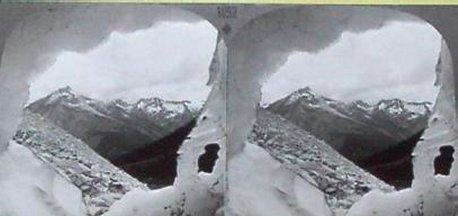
(438, 199)
(29, 188)
(260, 185)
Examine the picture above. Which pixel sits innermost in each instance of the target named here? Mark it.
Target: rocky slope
(342, 181)
(100, 182)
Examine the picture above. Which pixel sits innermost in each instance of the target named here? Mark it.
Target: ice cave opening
(133, 99)
(371, 107)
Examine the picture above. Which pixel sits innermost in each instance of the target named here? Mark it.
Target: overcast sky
(169, 60)
(397, 61)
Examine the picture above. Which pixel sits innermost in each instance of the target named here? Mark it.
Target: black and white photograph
(148, 109)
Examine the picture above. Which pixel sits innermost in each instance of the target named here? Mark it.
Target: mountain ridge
(113, 128)
(351, 128)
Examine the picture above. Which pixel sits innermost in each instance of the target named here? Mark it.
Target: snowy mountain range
(113, 128)
(357, 130)
(306, 132)
(342, 181)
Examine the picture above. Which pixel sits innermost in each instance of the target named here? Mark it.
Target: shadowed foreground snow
(30, 188)
(261, 185)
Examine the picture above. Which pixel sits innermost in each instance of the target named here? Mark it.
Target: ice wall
(442, 124)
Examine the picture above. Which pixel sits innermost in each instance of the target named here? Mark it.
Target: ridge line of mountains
(357, 130)
(122, 132)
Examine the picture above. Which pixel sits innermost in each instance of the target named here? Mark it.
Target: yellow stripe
(314, 2)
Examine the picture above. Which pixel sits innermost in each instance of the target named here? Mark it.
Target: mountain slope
(394, 165)
(112, 128)
(356, 130)
(156, 164)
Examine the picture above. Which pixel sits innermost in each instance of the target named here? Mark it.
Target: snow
(394, 110)
(304, 93)
(382, 106)
(122, 105)
(30, 188)
(397, 107)
(416, 108)
(174, 108)
(271, 189)
(153, 106)
(151, 109)
(438, 199)
(376, 202)
(140, 202)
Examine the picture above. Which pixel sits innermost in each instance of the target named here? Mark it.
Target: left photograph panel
(102, 107)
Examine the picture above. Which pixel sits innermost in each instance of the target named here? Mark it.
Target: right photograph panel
(339, 110)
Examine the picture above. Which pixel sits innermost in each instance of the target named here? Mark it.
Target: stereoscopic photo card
(228, 109)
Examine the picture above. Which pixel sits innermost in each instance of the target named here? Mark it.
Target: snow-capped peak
(397, 107)
(120, 103)
(68, 96)
(361, 104)
(153, 106)
(145, 103)
(393, 107)
(305, 94)
(357, 110)
(65, 92)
